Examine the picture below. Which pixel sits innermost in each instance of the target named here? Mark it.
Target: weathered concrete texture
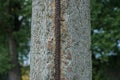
(75, 40)
(42, 40)
(76, 57)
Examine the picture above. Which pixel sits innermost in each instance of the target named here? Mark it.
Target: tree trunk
(14, 73)
(75, 40)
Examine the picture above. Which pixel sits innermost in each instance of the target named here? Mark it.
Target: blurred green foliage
(105, 20)
(15, 16)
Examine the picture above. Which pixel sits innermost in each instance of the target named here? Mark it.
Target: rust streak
(57, 59)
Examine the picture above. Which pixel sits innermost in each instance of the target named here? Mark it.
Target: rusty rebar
(57, 39)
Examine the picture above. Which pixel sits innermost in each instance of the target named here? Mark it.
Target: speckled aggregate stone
(75, 40)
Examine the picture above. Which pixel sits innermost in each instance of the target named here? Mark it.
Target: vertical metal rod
(57, 39)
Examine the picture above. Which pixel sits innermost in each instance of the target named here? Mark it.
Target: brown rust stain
(64, 6)
(51, 65)
(64, 78)
(65, 62)
(50, 44)
(69, 69)
(52, 5)
(68, 55)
